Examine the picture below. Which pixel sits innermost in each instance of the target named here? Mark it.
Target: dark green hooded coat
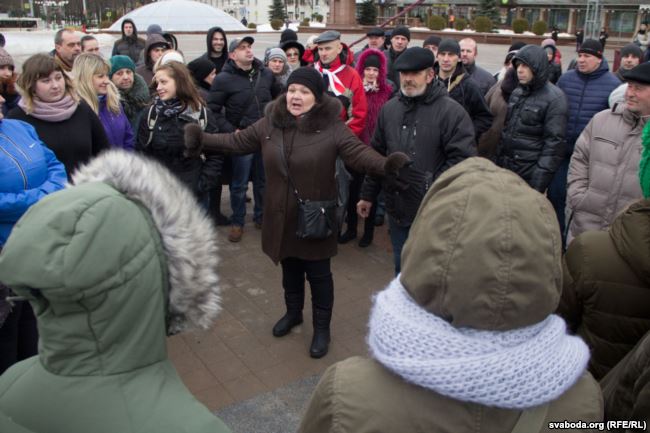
(109, 265)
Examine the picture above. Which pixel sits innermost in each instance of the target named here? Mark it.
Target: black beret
(375, 31)
(449, 46)
(414, 59)
(593, 47)
(638, 74)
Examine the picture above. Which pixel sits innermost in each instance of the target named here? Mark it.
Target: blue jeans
(241, 172)
(557, 196)
(398, 235)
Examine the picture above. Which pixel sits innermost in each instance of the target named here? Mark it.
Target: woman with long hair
(300, 138)
(49, 102)
(94, 86)
(160, 134)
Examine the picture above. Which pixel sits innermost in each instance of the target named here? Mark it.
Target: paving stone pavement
(238, 359)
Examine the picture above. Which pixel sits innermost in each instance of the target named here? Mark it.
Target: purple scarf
(57, 111)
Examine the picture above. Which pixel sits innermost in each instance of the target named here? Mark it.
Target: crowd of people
(521, 291)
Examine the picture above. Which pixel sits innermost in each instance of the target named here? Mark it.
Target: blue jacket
(587, 95)
(28, 172)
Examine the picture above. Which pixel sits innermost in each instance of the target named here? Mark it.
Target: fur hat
(6, 59)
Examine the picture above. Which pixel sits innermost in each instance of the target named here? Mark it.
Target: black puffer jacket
(466, 92)
(532, 143)
(243, 94)
(167, 145)
(130, 46)
(434, 131)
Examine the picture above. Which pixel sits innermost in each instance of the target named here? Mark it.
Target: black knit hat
(310, 78)
(516, 46)
(432, 40)
(401, 31)
(375, 31)
(372, 61)
(449, 46)
(632, 49)
(414, 59)
(593, 47)
(200, 68)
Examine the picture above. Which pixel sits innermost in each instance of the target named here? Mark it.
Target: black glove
(193, 140)
(397, 171)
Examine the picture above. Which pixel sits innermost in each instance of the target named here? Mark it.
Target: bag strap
(151, 123)
(286, 167)
(531, 420)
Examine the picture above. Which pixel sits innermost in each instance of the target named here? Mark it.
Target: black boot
(368, 232)
(347, 236)
(293, 317)
(321, 340)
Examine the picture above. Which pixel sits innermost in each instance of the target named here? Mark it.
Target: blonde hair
(87, 65)
(36, 67)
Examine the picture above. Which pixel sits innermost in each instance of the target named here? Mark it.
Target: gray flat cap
(328, 36)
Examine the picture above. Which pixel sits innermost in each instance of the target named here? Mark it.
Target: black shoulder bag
(316, 219)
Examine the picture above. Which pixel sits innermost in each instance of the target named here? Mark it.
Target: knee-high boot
(321, 340)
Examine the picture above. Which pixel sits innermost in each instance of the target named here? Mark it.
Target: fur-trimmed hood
(381, 79)
(318, 118)
(126, 223)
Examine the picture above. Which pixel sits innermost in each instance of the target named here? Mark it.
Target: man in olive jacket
(464, 340)
(532, 142)
(108, 275)
(427, 125)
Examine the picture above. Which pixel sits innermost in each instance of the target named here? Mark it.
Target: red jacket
(350, 93)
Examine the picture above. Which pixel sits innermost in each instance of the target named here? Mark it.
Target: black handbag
(316, 219)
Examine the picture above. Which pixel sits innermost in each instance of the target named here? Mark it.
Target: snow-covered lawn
(293, 26)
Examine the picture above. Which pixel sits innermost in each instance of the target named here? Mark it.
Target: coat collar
(318, 118)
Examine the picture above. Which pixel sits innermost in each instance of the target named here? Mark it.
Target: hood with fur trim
(114, 259)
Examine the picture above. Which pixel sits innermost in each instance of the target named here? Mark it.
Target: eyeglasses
(292, 54)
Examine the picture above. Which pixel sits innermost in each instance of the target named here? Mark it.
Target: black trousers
(18, 336)
(351, 217)
(318, 274)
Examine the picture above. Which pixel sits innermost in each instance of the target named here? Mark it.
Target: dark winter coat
(167, 146)
(312, 143)
(218, 62)
(375, 100)
(29, 171)
(391, 58)
(464, 90)
(483, 79)
(587, 95)
(117, 127)
(532, 142)
(606, 295)
(626, 388)
(243, 94)
(74, 141)
(130, 46)
(497, 99)
(134, 100)
(555, 65)
(433, 130)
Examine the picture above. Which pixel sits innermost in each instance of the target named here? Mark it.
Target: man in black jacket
(216, 42)
(532, 142)
(427, 125)
(129, 44)
(452, 74)
(468, 53)
(399, 41)
(237, 97)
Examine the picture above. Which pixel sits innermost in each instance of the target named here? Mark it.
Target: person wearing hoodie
(464, 340)
(217, 51)
(587, 89)
(332, 59)
(532, 141)
(154, 49)
(451, 72)
(134, 92)
(428, 125)
(602, 179)
(606, 298)
(30, 171)
(148, 271)
(129, 44)
(554, 62)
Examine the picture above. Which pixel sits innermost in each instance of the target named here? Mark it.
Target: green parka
(109, 265)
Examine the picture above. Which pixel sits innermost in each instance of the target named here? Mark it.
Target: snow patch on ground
(267, 27)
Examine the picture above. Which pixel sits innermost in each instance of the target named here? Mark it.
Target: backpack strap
(203, 118)
(152, 118)
(531, 420)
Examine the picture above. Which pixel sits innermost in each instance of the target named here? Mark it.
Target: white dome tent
(179, 16)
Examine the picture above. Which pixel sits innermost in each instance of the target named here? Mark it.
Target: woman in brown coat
(304, 123)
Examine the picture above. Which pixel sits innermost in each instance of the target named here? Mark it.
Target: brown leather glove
(193, 140)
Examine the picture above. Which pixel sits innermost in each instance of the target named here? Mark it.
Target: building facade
(257, 11)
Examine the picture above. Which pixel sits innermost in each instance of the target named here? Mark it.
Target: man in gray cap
(427, 125)
(375, 40)
(237, 98)
(343, 82)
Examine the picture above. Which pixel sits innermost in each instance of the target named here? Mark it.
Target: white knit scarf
(336, 86)
(514, 369)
